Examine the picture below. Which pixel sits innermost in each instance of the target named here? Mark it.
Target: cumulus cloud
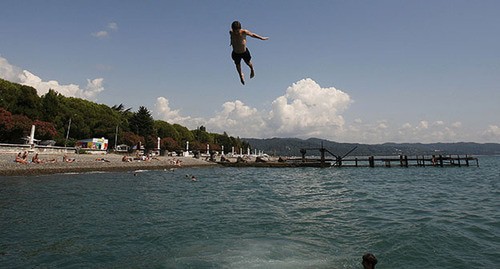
(305, 110)
(308, 110)
(15, 74)
(101, 34)
(492, 133)
(9, 72)
(111, 27)
(164, 112)
(236, 116)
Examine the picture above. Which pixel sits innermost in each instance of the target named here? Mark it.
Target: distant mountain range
(292, 147)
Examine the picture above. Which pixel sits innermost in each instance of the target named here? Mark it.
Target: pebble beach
(90, 163)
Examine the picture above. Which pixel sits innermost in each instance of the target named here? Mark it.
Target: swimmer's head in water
(369, 260)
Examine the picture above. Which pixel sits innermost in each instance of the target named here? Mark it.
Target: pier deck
(368, 161)
(389, 161)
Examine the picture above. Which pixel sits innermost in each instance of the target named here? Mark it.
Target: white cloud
(305, 110)
(24, 77)
(112, 26)
(423, 124)
(101, 34)
(8, 71)
(492, 134)
(240, 119)
(309, 110)
(164, 112)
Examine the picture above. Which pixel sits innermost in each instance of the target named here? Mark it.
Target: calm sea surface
(425, 217)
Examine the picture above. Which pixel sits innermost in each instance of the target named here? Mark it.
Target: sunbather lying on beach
(102, 160)
(35, 159)
(68, 160)
(127, 159)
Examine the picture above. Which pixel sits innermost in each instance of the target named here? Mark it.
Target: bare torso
(239, 41)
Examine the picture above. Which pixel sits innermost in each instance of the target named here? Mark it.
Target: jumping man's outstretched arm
(254, 35)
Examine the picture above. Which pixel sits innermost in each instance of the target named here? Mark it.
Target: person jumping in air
(240, 50)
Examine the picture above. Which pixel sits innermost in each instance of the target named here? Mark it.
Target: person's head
(369, 261)
(236, 25)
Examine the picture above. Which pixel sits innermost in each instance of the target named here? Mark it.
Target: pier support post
(371, 161)
(303, 152)
(322, 150)
(338, 161)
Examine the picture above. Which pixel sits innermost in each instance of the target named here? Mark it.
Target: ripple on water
(253, 218)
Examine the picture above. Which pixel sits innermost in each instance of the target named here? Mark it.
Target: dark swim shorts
(238, 56)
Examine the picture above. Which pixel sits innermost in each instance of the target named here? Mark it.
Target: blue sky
(348, 71)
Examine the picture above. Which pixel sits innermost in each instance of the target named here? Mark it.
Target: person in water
(369, 261)
(240, 50)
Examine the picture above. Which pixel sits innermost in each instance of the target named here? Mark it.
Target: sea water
(416, 217)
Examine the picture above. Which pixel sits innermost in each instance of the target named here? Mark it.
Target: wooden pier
(390, 161)
(387, 161)
(362, 161)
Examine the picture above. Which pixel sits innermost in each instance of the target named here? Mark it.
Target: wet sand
(90, 163)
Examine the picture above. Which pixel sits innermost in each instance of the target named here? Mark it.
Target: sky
(369, 72)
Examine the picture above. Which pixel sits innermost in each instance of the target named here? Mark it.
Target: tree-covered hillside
(53, 114)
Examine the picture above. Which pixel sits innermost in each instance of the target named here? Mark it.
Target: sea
(415, 217)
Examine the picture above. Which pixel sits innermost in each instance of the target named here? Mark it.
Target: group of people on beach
(144, 158)
(175, 162)
(22, 157)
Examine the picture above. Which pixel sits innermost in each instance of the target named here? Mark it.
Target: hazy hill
(292, 146)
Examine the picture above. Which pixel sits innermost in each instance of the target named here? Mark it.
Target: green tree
(49, 106)
(19, 99)
(142, 123)
(165, 129)
(184, 133)
(202, 135)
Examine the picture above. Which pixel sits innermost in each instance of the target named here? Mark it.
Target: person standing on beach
(240, 50)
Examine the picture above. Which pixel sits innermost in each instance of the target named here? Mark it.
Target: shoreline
(90, 163)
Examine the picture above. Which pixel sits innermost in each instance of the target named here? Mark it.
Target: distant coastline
(292, 146)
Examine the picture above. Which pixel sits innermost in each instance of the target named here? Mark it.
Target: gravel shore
(89, 163)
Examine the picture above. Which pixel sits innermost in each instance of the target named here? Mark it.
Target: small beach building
(122, 148)
(93, 144)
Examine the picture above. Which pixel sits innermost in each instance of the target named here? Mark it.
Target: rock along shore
(90, 163)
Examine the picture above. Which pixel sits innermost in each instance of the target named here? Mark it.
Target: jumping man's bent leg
(252, 72)
(242, 78)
